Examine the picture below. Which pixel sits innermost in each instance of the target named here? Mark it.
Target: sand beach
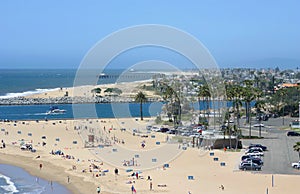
(82, 168)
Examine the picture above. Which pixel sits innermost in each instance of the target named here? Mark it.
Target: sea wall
(67, 100)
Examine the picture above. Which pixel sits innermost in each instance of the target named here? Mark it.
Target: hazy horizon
(58, 35)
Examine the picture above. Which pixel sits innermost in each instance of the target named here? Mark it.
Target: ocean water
(14, 180)
(15, 82)
(107, 110)
(18, 82)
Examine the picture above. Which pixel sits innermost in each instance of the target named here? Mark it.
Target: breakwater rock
(67, 100)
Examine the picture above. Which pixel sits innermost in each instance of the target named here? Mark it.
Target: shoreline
(21, 181)
(50, 172)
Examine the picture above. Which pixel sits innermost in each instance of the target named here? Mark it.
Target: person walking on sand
(150, 186)
(98, 189)
(68, 179)
(41, 165)
(133, 191)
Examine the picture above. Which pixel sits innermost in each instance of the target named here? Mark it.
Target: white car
(258, 125)
(255, 153)
(296, 165)
(156, 129)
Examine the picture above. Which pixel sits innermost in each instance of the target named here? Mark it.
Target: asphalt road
(280, 154)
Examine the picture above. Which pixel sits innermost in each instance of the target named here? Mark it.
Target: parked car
(245, 157)
(249, 166)
(293, 133)
(264, 148)
(164, 130)
(253, 149)
(257, 161)
(172, 131)
(155, 129)
(248, 156)
(258, 125)
(255, 153)
(296, 165)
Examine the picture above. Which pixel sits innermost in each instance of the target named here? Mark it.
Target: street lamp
(299, 117)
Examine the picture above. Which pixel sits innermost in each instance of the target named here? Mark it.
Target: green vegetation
(141, 98)
(297, 148)
(243, 87)
(113, 90)
(96, 90)
(147, 87)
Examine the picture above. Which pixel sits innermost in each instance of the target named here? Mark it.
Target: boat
(55, 110)
(103, 76)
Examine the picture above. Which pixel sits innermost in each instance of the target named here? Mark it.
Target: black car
(264, 148)
(164, 130)
(253, 149)
(249, 166)
(292, 133)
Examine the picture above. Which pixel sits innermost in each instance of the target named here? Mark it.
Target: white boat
(55, 110)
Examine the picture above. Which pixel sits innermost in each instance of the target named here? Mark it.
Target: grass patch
(233, 150)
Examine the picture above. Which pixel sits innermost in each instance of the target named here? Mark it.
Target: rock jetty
(67, 100)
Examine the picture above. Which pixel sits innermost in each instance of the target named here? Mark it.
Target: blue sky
(58, 34)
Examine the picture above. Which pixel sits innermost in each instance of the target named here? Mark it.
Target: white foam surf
(10, 187)
(27, 93)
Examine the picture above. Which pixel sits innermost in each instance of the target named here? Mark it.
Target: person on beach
(68, 179)
(51, 185)
(151, 186)
(133, 189)
(222, 187)
(98, 189)
(41, 166)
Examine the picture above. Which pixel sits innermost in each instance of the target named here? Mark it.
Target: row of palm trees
(237, 95)
(172, 99)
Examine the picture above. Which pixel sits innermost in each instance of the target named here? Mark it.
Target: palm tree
(297, 148)
(168, 93)
(259, 105)
(282, 93)
(205, 94)
(249, 94)
(237, 93)
(141, 98)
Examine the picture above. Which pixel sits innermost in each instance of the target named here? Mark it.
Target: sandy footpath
(78, 162)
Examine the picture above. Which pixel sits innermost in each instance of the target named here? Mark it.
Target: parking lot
(280, 154)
